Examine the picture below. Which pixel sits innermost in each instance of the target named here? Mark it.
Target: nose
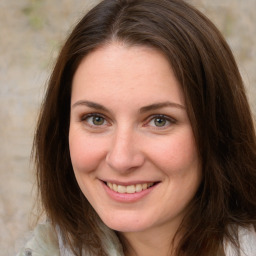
(125, 154)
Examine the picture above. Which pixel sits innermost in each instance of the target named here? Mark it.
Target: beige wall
(31, 32)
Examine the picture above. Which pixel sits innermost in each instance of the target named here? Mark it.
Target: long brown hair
(217, 107)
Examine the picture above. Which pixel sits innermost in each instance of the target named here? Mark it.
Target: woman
(145, 143)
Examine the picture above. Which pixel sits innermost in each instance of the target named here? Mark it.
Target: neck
(150, 243)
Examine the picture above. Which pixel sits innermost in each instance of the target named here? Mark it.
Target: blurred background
(31, 34)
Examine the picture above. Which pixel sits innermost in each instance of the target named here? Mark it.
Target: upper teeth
(129, 189)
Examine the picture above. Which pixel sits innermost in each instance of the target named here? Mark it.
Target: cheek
(177, 153)
(85, 153)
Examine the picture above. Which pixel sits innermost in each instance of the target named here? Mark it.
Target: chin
(125, 224)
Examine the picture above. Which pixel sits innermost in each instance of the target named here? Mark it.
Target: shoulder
(247, 240)
(47, 240)
(44, 242)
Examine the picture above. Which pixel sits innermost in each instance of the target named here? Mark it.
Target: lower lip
(126, 197)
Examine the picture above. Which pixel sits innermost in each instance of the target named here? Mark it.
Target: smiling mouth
(131, 189)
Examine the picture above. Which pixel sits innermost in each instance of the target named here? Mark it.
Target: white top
(45, 242)
(247, 240)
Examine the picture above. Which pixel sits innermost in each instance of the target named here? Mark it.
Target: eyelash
(94, 115)
(165, 118)
(162, 117)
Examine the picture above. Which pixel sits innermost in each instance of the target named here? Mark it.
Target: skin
(114, 136)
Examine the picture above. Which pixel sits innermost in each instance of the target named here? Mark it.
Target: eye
(95, 120)
(160, 121)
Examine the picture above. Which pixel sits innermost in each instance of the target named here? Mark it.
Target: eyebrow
(90, 104)
(156, 106)
(144, 109)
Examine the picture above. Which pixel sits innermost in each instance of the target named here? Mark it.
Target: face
(131, 143)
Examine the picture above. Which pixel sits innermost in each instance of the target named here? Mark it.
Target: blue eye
(95, 120)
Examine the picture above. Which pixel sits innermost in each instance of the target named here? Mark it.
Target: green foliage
(229, 21)
(34, 14)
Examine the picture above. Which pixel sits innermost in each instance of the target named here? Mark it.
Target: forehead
(129, 71)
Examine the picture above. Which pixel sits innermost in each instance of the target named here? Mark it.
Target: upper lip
(128, 183)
